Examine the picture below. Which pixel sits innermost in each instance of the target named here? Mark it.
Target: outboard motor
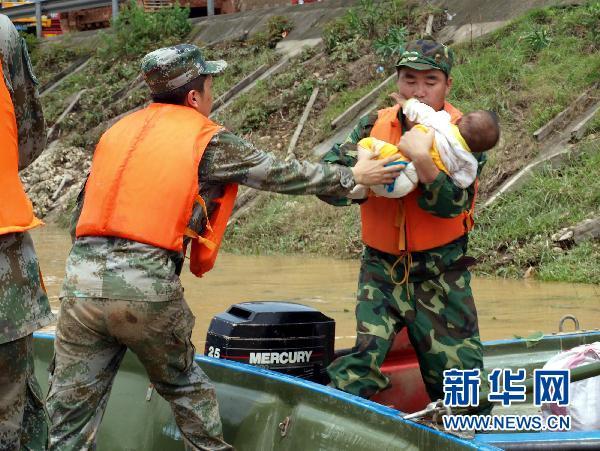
(282, 336)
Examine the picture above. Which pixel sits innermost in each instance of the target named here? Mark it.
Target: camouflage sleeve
(76, 212)
(230, 159)
(443, 198)
(22, 85)
(345, 154)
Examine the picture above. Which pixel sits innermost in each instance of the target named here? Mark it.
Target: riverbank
(329, 285)
(527, 71)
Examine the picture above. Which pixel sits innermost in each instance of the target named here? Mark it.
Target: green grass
(581, 264)
(50, 59)
(115, 65)
(341, 103)
(282, 224)
(241, 62)
(527, 71)
(594, 127)
(515, 232)
(527, 83)
(499, 72)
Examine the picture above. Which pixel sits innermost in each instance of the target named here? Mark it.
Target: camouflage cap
(426, 54)
(172, 67)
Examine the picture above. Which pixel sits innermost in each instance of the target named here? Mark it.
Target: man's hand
(373, 172)
(398, 98)
(415, 144)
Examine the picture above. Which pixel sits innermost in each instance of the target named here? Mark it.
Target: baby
(452, 149)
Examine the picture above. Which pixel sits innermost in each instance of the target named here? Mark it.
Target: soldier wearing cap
(24, 306)
(163, 181)
(414, 266)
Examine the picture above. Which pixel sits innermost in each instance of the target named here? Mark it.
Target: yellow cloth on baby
(387, 149)
(435, 153)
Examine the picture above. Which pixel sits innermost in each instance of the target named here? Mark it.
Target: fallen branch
(359, 105)
(130, 87)
(56, 126)
(245, 208)
(62, 74)
(60, 81)
(312, 59)
(429, 26)
(579, 129)
(557, 121)
(239, 86)
(584, 231)
(272, 70)
(66, 178)
(307, 109)
(244, 198)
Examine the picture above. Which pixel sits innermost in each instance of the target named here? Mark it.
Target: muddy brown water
(506, 307)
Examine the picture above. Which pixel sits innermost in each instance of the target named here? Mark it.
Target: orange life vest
(16, 211)
(144, 183)
(398, 225)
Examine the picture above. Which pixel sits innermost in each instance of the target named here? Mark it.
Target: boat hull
(261, 410)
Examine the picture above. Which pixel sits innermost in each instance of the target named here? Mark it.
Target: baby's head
(480, 130)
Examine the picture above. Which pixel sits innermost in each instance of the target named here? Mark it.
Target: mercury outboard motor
(282, 336)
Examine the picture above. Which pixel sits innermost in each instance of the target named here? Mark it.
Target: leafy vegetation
(113, 70)
(277, 28)
(285, 224)
(359, 48)
(372, 22)
(51, 58)
(527, 72)
(136, 32)
(537, 39)
(390, 45)
(515, 232)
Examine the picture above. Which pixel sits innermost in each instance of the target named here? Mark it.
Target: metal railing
(39, 7)
(51, 6)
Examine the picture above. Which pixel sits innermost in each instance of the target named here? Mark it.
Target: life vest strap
(200, 201)
(195, 236)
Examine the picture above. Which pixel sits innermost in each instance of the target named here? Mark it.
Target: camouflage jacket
(117, 268)
(440, 198)
(22, 85)
(24, 305)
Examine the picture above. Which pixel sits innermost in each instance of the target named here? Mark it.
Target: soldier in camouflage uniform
(24, 305)
(435, 302)
(121, 293)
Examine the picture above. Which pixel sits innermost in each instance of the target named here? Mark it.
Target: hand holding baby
(415, 143)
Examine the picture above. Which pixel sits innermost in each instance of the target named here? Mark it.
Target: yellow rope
(406, 258)
(208, 243)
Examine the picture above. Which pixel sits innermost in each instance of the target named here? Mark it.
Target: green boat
(265, 410)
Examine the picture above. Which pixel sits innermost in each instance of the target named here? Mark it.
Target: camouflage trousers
(440, 317)
(92, 337)
(23, 420)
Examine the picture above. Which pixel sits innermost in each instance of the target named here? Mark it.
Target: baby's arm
(398, 98)
(418, 112)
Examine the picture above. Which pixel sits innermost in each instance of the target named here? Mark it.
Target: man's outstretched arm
(230, 159)
(345, 154)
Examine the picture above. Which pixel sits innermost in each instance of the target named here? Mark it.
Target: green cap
(172, 67)
(426, 54)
